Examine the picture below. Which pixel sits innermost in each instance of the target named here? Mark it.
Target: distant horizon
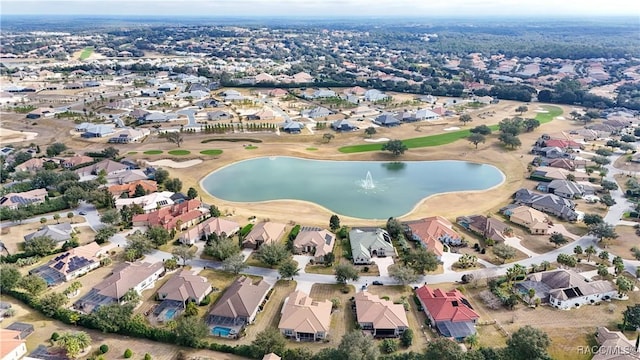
(300, 9)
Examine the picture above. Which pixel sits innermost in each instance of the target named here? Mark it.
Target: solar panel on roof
(59, 265)
(327, 239)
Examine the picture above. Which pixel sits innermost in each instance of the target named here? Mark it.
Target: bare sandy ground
(377, 140)
(175, 164)
(11, 136)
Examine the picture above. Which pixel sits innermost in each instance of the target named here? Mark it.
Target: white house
(12, 347)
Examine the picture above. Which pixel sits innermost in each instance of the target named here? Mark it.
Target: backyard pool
(170, 314)
(362, 189)
(220, 331)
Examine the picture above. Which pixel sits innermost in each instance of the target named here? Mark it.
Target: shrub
(147, 356)
(128, 353)
(407, 338)
(389, 346)
(366, 269)
(104, 348)
(385, 298)
(55, 336)
(206, 300)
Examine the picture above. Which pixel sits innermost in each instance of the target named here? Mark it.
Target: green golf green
(250, 147)
(153, 152)
(211, 152)
(179, 152)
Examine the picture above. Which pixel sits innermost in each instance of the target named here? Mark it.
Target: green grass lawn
(132, 152)
(212, 152)
(445, 138)
(312, 149)
(179, 152)
(153, 152)
(86, 52)
(250, 147)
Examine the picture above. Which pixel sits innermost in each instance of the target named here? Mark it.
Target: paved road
(191, 116)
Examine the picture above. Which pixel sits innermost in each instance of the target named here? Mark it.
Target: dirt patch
(11, 136)
(627, 239)
(175, 164)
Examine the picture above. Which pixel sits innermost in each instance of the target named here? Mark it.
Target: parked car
(377, 283)
(82, 213)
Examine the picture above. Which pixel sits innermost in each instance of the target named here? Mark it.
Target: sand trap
(12, 136)
(376, 140)
(452, 128)
(175, 164)
(560, 118)
(542, 111)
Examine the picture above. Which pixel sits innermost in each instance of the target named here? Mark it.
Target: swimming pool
(220, 331)
(170, 314)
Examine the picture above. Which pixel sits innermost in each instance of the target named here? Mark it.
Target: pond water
(361, 189)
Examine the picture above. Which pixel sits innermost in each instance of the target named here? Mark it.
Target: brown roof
(185, 285)
(533, 218)
(431, 230)
(302, 314)
(214, 225)
(88, 254)
(149, 186)
(76, 160)
(241, 298)
(615, 346)
(383, 314)
(267, 232)
(168, 217)
(125, 277)
(321, 239)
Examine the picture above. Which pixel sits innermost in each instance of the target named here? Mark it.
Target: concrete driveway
(383, 264)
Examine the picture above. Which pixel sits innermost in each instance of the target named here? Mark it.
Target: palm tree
(590, 251)
(534, 268)
(472, 340)
(532, 295)
(515, 271)
(545, 265)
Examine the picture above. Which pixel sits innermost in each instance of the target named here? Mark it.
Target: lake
(361, 189)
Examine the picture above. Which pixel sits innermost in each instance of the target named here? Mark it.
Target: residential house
(151, 202)
(138, 276)
(535, 221)
(315, 241)
(386, 119)
(12, 346)
(127, 176)
(175, 217)
(305, 319)
(278, 92)
(317, 112)
(263, 233)
(271, 356)
(110, 167)
(566, 164)
(240, 303)
(264, 77)
(264, 114)
(374, 95)
(139, 114)
(232, 95)
(70, 265)
(90, 130)
(448, 311)
(183, 287)
(614, 345)
(433, 232)
(206, 103)
(343, 125)
(367, 244)
(76, 160)
(14, 200)
(563, 188)
(426, 114)
(292, 127)
(57, 232)
(215, 225)
(548, 203)
(218, 115)
(489, 228)
(566, 289)
(148, 186)
(301, 78)
(382, 318)
(156, 117)
(32, 165)
(551, 152)
(126, 136)
(562, 144)
(545, 173)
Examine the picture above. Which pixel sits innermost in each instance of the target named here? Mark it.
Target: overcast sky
(324, 8)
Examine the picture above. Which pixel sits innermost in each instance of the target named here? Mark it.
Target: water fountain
(367, 182)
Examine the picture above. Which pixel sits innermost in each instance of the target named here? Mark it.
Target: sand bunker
(560, 118)
(542, 111)
(452, 128)
(376, 140)
(11, 136)
(175, 164)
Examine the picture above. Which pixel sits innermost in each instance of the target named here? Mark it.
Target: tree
(466, 261)
(631, 317)
(173, 185)
(33, 284)
(389, 346)
(531, 124)
(522, 109)
(234, 264)
(624, 285)
(510, 140)
(56, 149)
(602, 270)
(191, 309)
(515, 272)
(110, 217)
(43, 220)
(370, 131)
(139, 191)
(627, 147)
(190, 330)
(273, 254)
(481, 129)
(72, 289)
(407, 338)
(476, 139)
(56, 217)
(184, 253)
(192, 193)
(9, 278)
(603, 231)
(158, 235)
(73, 195)
(111, 318)
(358, 345)
(74, 343)
(39, 245)
(174, 137)
(472, 340)
(396, 147)
(545, 265)
(504, 252)
(443, 348)
(327, 137)
(601, 160)
(131, 296)
(110, 152)
(138, 244)
(51, 302)
(345, 271)
(528, 343)
(403, 274)
(609, 185)
(591, 219)
(422, 260)
(603, 152)
(334, 223)
(591, 250)
(288, 269)
(329, 258)
(465, 118)
(297, 354)
(222, 248)
(268, 341)
(578, 250)
(161, 175)
(70, 215)
(558, 239)
(104, 234)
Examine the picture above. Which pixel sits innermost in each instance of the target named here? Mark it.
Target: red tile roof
(168, 217)
(443, 306)
(563, 144)
(431, 230)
